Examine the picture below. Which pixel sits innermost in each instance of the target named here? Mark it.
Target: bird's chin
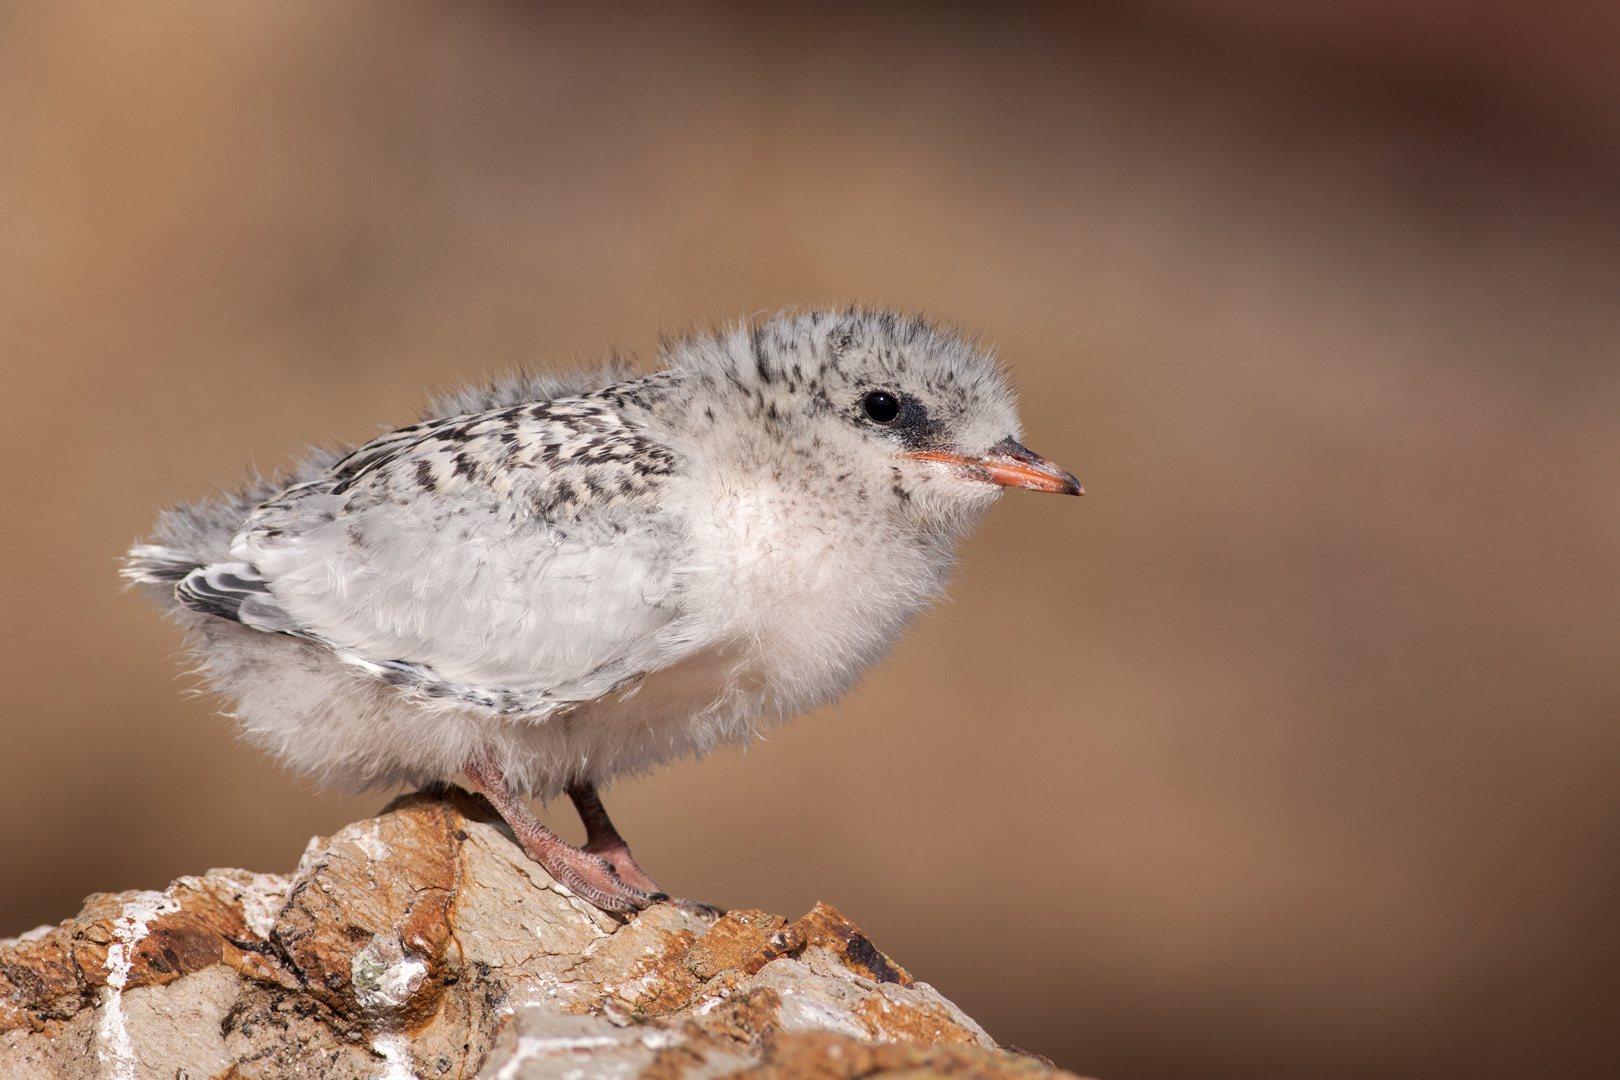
(952, 502)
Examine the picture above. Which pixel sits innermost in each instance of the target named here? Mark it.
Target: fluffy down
(581, 577)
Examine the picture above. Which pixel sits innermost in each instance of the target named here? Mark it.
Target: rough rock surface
(422, 943)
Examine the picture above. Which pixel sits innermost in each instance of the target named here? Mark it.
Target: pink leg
(601, 838)
(586, 874)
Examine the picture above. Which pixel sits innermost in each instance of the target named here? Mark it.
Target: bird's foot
(587, 875)
(591, 877)
(604, 841)
(708, 913)
(617, 855)
(602, 872)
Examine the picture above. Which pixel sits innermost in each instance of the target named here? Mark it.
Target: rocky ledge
(422, 944)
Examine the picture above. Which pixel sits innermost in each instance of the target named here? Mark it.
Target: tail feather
(150, 564)
(226, 590)
(235, 590)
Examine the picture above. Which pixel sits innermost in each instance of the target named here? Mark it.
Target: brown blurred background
(1289, 751)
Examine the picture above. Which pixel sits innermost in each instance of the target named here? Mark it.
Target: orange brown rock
(423, 937)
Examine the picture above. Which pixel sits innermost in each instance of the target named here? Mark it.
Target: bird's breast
(812, 592)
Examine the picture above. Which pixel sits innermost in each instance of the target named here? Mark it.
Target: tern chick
(549, 583)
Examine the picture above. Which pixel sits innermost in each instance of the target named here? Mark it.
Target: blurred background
(1289, 750)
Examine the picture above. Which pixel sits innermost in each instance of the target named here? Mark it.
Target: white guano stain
(262, 903)
(262, 896)
(395, 1050)
(384, 975)
(314, 851)
(632, 990)
(376, 849)
(114, 1048)
(708, 1004)
(541, 989)
(530, 1047)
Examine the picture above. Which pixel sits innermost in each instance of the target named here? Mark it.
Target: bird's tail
(228, 590)
(151, 564)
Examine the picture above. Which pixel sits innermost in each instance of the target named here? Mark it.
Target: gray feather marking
(235, 591)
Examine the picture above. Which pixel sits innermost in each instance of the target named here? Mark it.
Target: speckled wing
(514, 558)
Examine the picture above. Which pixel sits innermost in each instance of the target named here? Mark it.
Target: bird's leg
(601, 838)
(587, 875)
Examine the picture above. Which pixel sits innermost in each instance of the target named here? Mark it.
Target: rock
(422, 943)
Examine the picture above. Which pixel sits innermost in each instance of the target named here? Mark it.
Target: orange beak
(1009, 465)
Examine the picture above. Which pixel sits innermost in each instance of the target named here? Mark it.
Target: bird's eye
(881, 406)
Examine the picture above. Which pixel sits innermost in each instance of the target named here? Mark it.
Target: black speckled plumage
(561, 580)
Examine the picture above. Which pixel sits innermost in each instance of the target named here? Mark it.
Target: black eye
(881, 406)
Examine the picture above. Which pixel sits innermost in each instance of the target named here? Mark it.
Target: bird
(552, 581)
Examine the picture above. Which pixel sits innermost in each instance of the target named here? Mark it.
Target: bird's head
(891, 407)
